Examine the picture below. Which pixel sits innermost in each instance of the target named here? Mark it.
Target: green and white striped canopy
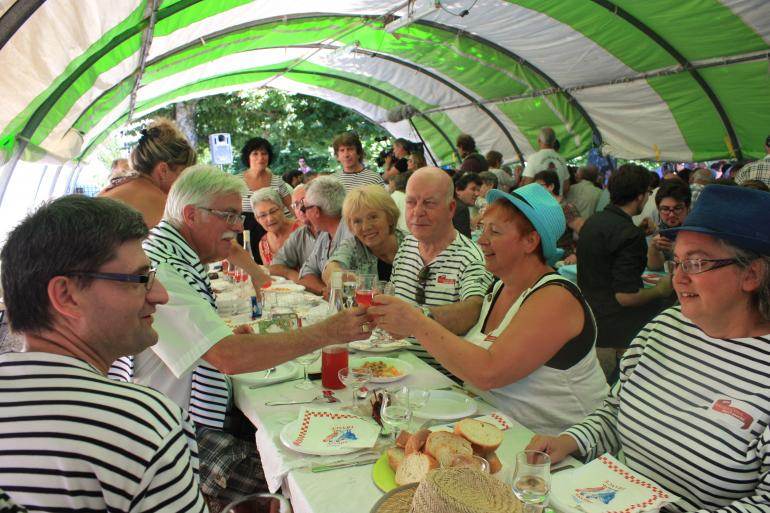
(684, 80)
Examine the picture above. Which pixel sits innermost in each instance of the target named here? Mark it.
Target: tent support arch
(686, 65)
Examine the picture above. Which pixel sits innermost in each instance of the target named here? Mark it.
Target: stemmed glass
(366, 286)
(532, 479)
(355, 379)
(396, 412)
(379, 335)
(416, 397)
(305, 360)
(349, 285)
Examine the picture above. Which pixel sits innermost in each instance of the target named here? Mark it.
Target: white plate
(365, 345)
(286, 286)
(446, 405)
(290, 432)
(404, 368)
(284, 371)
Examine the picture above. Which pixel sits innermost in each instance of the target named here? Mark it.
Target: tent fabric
(659, 79)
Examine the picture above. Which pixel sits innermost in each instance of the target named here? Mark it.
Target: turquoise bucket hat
(542, 210)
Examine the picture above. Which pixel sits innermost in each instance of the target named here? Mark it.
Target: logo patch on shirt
(727, 407)
(490, 338)
(443, 279)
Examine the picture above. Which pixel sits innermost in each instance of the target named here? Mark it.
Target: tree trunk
(185, 119)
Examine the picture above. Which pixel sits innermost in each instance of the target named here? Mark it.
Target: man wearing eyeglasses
(673, 202)
(80, 290)
(196, 348)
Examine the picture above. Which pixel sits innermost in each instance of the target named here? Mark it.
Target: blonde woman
(372, 215)
(157, 160)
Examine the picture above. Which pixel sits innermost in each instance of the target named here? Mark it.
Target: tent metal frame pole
(684, 62)
(424, 144)
(146, 42)
(16, 16)
(5, 177)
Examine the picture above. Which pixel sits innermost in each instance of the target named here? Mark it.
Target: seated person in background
(119, 169)
(547, 158)
(756, 184)
(568, 240)
(161, 154)
(472, 160)
(467, 187)
(323, 209)
(196, 347)
(488, 182)
(586, 192)
(71, 439)
(505, 180)
(268, 211)
(437, 268)
(350, 154)
(297, 248)
(415, 161)
(612, 254)
(371, 216)
(691, 410)
(531, 351)
(292, 178)
(399, 197)
(673, 202)
(699, 179)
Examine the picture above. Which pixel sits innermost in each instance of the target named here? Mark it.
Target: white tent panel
(65, 29)
(755, 15)
(106, 121)
(104, 82)
(466, 119)
(632, 129)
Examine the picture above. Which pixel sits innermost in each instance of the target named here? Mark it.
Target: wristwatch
(427, 313)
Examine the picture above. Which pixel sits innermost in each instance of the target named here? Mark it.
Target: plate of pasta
(384, 370)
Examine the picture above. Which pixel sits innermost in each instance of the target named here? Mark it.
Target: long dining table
(344, 490)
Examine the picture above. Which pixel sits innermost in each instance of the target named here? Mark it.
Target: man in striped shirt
(350, 154)
(436, 268)
(79, 289)
(196, 349)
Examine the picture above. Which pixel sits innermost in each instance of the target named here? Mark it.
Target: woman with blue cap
(691, 410)
(531, 353)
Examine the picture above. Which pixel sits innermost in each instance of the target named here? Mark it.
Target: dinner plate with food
(379, 347)
(286, 286)
(384, 370)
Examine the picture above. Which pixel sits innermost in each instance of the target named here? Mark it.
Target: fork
(269, 371)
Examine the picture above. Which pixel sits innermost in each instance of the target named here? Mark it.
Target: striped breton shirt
(457, 273)
(690, 412)
(73, 440)
(355, 180)
(277, 183)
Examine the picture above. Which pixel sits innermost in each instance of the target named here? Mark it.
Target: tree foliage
(296, 125)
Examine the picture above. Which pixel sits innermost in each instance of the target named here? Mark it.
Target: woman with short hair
(157, 160)
(691, 410)
(372, 215)
(268, 211)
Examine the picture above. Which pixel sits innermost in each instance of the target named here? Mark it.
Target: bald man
(437, 269)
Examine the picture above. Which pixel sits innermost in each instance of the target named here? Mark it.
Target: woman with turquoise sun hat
(531, 353)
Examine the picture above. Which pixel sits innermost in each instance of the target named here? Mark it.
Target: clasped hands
(397, 317)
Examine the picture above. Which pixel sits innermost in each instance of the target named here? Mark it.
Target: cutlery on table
(269, 371)
(327, 396)
(367, 458)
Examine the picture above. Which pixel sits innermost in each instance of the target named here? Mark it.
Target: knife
(344, 464)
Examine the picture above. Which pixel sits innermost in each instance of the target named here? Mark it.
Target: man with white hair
(323, 208)
(700, 178)
(196, 347)
(298, 247)
(545, 159)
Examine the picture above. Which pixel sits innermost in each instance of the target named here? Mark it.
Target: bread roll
(414, 468)
(416, 442)
(484, 437)
(395, 457)
(402, 438)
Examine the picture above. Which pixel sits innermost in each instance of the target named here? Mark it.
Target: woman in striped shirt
(691, 409)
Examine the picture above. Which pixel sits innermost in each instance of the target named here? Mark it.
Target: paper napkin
(324, 429)
(607, 486)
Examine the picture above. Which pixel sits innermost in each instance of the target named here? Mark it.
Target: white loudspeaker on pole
(221, 149)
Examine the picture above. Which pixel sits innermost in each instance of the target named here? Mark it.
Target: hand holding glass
(532, 479)
(379, 335)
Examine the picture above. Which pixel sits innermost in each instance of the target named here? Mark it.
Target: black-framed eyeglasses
(698, 265)
(148, 279)
(672, 210)
(422, 282)
(304, 208)
(228, 217)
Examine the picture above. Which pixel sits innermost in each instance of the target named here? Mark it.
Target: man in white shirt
(70, 438)
(547, 158)
(196, 347)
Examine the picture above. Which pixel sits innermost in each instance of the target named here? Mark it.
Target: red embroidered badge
(724, 406)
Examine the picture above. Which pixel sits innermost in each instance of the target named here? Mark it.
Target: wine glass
(532, 479)
(396, 412)
(355, 379)
(305, 360)
(366, 285)
(379, 335)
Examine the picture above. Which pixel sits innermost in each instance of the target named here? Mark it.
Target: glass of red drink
(366, 286)
(333, 358)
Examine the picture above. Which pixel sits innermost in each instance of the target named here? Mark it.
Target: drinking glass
(366, 286)
(396, 412)
(355, 379)
(379, 335)
(305, 360)
(349, 283)
(532, 480)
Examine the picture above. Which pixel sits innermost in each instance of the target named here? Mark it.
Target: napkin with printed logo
(606, 486)
(327, 431)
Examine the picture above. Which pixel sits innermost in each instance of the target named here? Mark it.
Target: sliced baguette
(484, 437)
(414, 468)
(395, 457)
(402, 438)
(416, 442)
(438, 439)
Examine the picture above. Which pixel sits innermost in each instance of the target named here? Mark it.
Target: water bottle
(255, 309)
(336, 298)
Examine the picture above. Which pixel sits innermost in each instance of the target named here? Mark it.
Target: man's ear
(65, 297)
(190, 214)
